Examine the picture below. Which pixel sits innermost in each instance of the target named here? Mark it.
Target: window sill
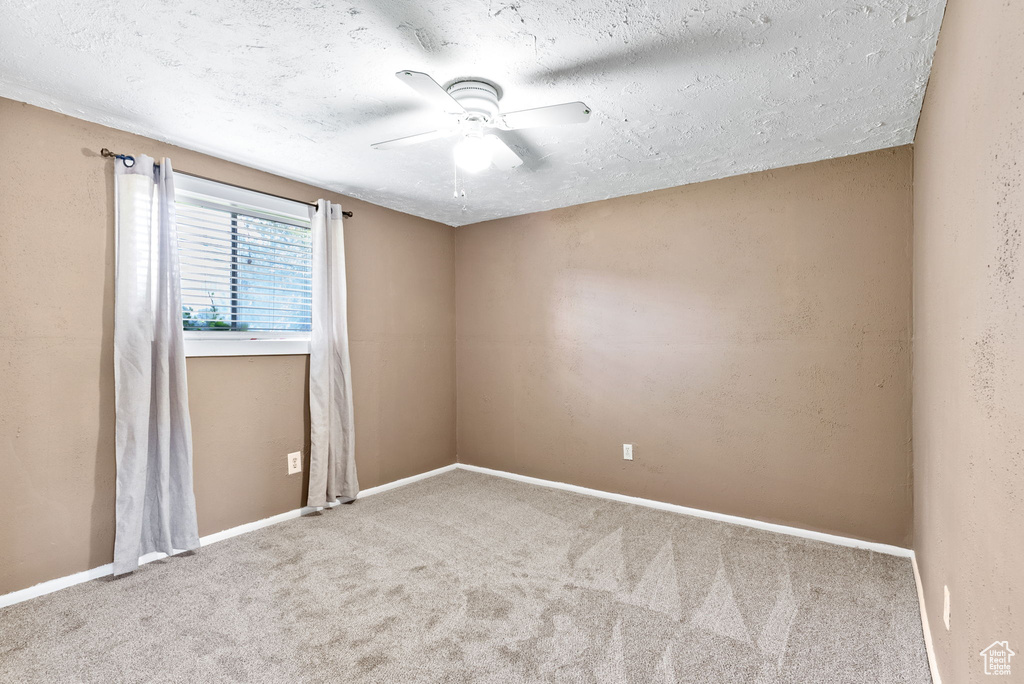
(242, 347)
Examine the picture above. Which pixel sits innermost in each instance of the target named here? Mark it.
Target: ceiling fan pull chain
(456, 193)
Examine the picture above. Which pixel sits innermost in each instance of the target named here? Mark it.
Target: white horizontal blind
(246, 262)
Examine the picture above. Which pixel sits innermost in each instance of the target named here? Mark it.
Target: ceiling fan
(474, 105)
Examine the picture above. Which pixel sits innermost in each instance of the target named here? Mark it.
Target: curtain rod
(112, 155)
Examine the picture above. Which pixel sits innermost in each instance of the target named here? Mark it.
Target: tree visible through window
(242, 271)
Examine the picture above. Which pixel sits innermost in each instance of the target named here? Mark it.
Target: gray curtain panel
(155, 508)
(332, 464)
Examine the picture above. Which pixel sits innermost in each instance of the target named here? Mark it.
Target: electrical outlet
(627, 452)
(294, 462)
(945, 606)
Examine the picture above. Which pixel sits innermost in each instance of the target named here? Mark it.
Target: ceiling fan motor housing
(480, 99)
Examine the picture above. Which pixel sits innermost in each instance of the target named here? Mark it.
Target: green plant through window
(207, 318)
(255, 272)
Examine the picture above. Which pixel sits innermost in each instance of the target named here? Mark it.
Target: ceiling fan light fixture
(473, 102)
(474, 153)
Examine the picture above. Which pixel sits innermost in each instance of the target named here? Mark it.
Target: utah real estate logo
(997, 658)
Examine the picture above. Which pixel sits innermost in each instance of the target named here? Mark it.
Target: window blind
(246, 260)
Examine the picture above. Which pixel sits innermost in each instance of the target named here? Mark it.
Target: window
(246, 270)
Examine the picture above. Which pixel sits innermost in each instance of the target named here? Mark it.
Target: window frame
(199, 343)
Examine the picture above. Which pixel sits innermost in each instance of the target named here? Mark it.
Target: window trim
(224, 345)
(206, 343)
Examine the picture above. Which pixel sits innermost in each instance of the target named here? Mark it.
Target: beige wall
(749, 335)
(969, 336)
(56, 357)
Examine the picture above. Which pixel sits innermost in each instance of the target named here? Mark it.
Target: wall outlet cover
(294, 462)
(945, 606)
(627, 452)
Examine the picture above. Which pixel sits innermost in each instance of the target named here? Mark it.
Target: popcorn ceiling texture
(681, 92)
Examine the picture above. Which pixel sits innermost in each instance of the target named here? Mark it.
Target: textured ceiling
(681, 91)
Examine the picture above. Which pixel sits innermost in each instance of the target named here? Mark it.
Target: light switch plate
(294, 462)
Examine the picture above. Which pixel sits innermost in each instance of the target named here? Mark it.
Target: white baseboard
(933, 664)
(406, 480)
(79, 577)
(55, 585)
(104, 570)
(696, 512)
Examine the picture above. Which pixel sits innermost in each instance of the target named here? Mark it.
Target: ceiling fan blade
(661, 53)
(428, 88)
(533, 158)
(409, 140)
(504, 157)
(568, 113)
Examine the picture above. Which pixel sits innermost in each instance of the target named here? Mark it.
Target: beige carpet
(470, 578)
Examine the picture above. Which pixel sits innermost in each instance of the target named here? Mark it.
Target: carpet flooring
(466, 577)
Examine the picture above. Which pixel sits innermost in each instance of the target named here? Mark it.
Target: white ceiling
(682, 91)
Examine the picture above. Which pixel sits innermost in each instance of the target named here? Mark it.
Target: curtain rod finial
(128, 160)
